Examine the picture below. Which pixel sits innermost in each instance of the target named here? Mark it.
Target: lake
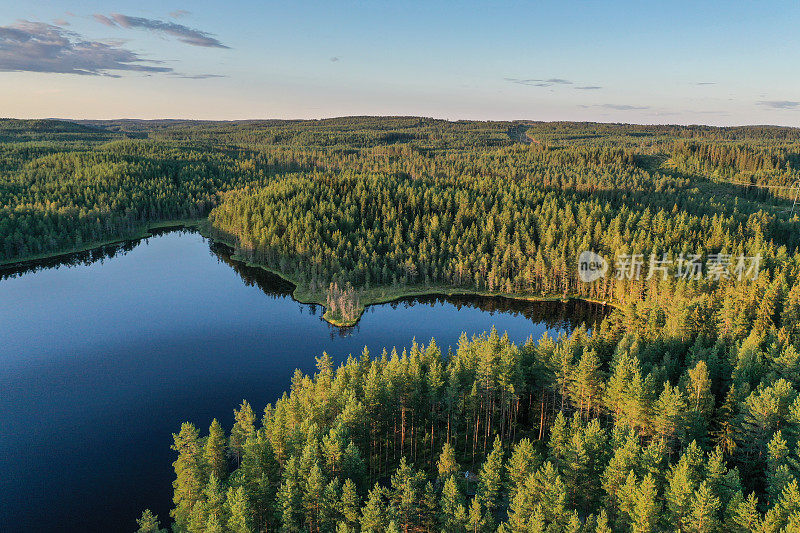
(104, 354)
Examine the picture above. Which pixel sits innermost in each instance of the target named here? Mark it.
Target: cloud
(780, 104)
(180, 13)
(539, 82)
(588, 88)
(197, 76)
(102, 19)
(709, 112)
(61, 22)
(38, 47)
(184, 34)
(706, 83)
(334, 59)
(623, 107)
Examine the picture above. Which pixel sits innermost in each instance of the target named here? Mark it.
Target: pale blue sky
(648, 62)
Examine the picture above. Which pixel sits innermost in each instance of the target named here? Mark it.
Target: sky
(654, 62)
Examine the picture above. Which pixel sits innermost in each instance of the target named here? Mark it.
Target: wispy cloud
(183, 33)
(197, 76)
(624, 107)
(705, 83)
(780, 104)
(61, 22)
(588, 88)
(335, 59)
(710, 112)
(534, 82)
(38, 47)
(180, 13)
(617, 107)
(102, 19)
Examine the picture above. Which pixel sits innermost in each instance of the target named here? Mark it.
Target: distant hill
(18, 130)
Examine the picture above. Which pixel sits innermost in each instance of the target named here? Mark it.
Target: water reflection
(84, 257)
(555, 314)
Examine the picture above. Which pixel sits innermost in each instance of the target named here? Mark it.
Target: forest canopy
(679, 412)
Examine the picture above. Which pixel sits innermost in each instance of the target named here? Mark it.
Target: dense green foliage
(680, 412)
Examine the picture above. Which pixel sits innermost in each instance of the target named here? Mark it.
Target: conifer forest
(678, 411)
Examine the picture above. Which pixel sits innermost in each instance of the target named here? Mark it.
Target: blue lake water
(102, 359)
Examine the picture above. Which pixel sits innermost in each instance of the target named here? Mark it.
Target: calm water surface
(100, 362)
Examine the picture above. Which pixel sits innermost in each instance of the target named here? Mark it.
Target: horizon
(450, 120)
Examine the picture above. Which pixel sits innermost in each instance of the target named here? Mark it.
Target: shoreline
(389, 294)
(372, 296)
(143, 233)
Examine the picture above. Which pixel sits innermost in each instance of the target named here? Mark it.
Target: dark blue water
(101, 361)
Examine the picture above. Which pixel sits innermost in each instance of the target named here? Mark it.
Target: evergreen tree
(350, 503)
(148, 523)
(238, 511)
(447, 464)
(188, 484)
(373, 514)
(243, 427)
(490, 482)
(214, 451)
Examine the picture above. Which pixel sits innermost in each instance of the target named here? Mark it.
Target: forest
(679, 412)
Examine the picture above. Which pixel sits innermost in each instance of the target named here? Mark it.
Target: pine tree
(188, 484)
(669, 412)
(350, 503)
(373, 514)
(705, 506)
(476, 521)
(243, 427)
(558, 444)
(148, 523)
(329, 513)
(490, 481)
(524, 461)
(626, 457)
(405, 495)
(259, 473)
(602, 523)
(586, 383)
(700, 402)
(447, 464)
(682, 481)
(290, 498)
(744, 516)
(778, 472)
(212, 525)
(214, 451)
(646, 509)
(215, 499)
(450, 502)
(428, 508)
(314, 490)
(238, 510)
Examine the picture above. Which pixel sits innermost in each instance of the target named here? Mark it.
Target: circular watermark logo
(591, 266)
